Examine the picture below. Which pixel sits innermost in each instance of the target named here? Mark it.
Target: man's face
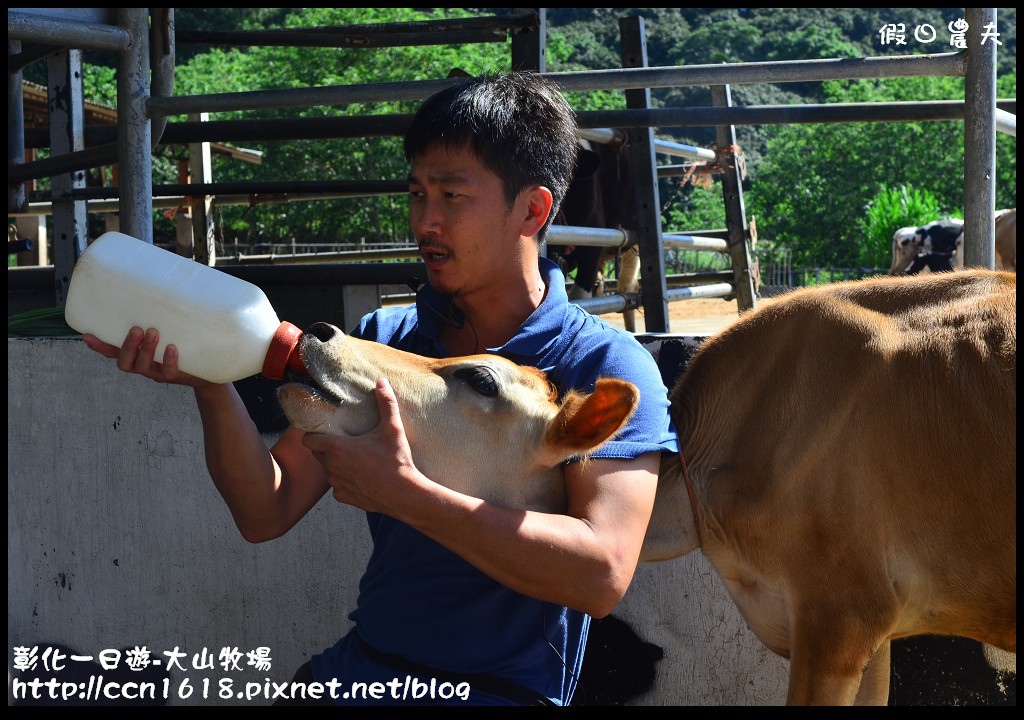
(461, 221)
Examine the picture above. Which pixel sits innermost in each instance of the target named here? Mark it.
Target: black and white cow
(937, 246)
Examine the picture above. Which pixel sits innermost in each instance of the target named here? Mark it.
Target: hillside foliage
(810, 186)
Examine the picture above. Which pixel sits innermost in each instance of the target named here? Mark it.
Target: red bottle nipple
(283, 352)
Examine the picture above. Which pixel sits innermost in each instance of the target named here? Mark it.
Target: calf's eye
(480, 379)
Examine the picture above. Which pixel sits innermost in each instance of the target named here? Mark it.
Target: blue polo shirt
(420, 600)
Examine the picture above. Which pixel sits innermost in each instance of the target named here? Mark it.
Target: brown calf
(1006, 240)
(833, 531)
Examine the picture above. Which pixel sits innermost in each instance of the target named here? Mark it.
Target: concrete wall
(117, 537)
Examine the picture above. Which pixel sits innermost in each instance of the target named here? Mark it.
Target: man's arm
(584, 559)
(267, 491)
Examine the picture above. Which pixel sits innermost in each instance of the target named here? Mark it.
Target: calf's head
(906, 244)
(478, 424)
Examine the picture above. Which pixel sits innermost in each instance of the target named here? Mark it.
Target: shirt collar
(536, 335)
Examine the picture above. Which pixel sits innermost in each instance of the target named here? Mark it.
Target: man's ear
(538, 206)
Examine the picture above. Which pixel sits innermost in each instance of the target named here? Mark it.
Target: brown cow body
(833, 532)
(599, 196)
(1006, 240)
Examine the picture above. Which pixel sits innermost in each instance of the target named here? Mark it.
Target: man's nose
(427, 217)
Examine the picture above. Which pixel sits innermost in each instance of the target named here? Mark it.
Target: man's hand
(371, 471)
(136, 356)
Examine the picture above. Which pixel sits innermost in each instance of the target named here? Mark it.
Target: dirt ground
(699, 316)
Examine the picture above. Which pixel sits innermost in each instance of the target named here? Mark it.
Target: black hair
(519, 125)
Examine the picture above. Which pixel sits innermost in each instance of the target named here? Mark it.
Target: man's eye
(480, 379)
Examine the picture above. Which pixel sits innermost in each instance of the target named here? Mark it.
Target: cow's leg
(919, 263)
(939, 263)
(840, 623)
(577, 293)
(824, 676)
(588, 261)
(629, 282)
(874, 684)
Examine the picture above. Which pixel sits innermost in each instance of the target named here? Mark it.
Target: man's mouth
(434, 254)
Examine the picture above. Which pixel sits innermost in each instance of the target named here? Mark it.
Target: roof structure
(36, 103)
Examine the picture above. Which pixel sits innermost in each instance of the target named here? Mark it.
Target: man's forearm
(237, 457)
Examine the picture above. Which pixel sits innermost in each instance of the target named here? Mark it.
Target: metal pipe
(299, 97)
(980, 142)
(135, 131)
(684, 151)
(617, 302)
(784, 71)
(605, 136)
(328, 273)
(28, 27)
(945, 64)
(614, 136)
(320, 128)
(255, 192)
(394, 125)
(344, 256)
(936, 110)
(694, 242)
(64, 164)
(17, 195)
(174, 201)
(1006, 123)
(591, 237)
(700, 291)
(456, 31)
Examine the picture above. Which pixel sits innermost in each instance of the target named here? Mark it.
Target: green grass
(41, 322)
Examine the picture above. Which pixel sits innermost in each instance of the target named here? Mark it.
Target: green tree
(810, 186)
(816, 181)
(327, 222)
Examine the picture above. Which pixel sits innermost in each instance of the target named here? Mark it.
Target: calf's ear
(585, 422)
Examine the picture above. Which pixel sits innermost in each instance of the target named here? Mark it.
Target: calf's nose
(321, 331)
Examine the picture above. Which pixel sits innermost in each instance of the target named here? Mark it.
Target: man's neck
(492, 319)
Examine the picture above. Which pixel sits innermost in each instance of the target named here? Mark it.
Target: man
(494, 600)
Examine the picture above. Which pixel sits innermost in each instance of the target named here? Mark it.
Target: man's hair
(519, 125)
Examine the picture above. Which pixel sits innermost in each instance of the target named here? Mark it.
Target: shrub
(888, 211)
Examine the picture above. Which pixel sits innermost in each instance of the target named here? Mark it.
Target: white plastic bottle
(225, 328)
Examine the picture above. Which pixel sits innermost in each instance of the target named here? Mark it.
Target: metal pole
(135, 162)
(735, 212)
(645, 186)
(980, 140)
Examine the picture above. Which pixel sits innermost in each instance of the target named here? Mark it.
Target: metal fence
(146, 101)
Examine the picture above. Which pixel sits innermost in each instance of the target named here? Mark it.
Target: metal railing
(144, 107)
